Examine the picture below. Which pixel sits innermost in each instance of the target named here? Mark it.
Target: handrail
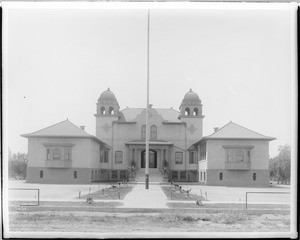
(36, 189)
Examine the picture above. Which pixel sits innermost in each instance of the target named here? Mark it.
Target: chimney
(216, 129)
(82, 127)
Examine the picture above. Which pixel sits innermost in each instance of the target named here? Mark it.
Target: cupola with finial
(191, 105)
(107, 104)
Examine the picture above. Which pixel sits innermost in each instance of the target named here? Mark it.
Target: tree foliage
(17, 165)
(280, 166)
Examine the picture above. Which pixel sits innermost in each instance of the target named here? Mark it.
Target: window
(187, 112)
(254, 176)
(203, 151)
(195, 112)
(114, 174)
(111, 110)
(221, 176)
(178, 158)
(143, 131)
(41, 174)
(248, 153)
(92, 174)
(239, 156)
(229, 156)
(75, 174)
(182, 175)
(56, 154)
(67, 154)
(102, 110)
(104, 156)
(174, 175)
(118, 156)
(203, 176)
(193, 157)
(122, 174)
(48, 154)
(153, 134)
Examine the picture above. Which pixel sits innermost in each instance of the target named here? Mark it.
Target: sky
(59, 61)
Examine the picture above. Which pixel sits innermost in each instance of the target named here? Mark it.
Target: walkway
(140, 197)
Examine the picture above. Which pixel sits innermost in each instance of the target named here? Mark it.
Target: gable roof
(168, 114)
(63, 129)
(233, 131)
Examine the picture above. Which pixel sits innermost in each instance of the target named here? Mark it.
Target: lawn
(110, 193)
(172, 221)
(174, 193)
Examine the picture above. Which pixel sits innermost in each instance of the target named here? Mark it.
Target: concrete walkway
(140, 197)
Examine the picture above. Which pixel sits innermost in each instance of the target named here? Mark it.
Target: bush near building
(280, 166)
(17, 165)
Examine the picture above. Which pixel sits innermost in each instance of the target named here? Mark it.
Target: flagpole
(147, 109)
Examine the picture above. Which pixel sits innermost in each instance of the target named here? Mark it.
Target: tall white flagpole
(147, 109)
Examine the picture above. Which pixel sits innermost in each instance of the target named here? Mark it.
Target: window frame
(153, 132)
(119, 159)
(179, 155)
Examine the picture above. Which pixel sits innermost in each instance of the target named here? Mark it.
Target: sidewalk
(140, 197)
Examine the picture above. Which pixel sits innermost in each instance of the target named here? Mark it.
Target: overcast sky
(60, 61)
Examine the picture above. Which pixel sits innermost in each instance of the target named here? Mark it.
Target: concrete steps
(154, 176)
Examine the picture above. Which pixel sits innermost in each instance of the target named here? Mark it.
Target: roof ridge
(49, 126)
(218, 130)
(79, 128)
(249, 129)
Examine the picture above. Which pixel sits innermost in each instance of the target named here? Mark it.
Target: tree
(280, 166)
(17, 164)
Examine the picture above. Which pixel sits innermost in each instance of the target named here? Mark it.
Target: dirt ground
(144, 222)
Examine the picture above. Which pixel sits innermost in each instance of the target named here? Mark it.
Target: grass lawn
(116, 193)
(174, 194)
(175, 221)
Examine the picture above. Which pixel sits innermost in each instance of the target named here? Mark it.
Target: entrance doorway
(152, 159)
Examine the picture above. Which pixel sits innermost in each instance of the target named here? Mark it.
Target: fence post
(79, 194)
(38, 196)
(246, 200)
(119, 195)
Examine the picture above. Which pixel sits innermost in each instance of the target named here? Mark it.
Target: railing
(262, 193)
(30, 189)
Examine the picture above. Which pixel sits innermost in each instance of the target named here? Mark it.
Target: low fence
(262, 193)
(29, 189)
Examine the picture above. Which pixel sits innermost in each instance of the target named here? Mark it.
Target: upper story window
(56, 151)
(111, 110)
(118, 156)
(56, 154)
(195, 113)
(143, 132)
(203, 151)
(104, 156)
(187, 111)
(102, 110)
(153, 134)
(239, 155)
(193, 157)
(178, 157)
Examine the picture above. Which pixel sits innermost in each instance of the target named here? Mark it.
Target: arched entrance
(152, 159)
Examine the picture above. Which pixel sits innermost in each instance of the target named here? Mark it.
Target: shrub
(229, 217)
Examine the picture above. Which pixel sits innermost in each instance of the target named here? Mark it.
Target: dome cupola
(107, 104)
(191, 105)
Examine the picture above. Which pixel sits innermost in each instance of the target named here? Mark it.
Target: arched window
(56, 154)
(221, 176)
(41, 174)
(254, 176)
(239, 156)
(187, 112)
(75, 174)
(143, 131)
(102, 110)
(111, 110)
(195, 113)
(153, 134)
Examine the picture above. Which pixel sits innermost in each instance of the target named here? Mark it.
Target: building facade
(65, 153)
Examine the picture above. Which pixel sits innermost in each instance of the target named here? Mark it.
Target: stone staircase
(154, 176)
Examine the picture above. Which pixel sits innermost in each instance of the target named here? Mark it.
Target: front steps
(155, 176)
